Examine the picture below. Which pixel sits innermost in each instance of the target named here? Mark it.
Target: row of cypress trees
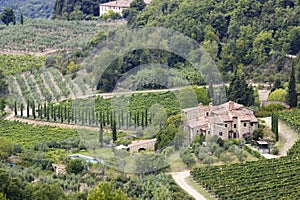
(84, 116)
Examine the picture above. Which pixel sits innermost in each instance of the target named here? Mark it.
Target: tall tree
(8, 16)
(101, 135)
(21, 19)
(239, 91)
(292, 94)
(114, 131)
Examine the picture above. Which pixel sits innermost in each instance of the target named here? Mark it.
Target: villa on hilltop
(228, 120)
(116, 6)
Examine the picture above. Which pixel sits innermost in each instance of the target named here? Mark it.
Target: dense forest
(29, 8)
(88, 8)
(255, 34)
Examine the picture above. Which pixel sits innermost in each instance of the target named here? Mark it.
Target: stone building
(228, 120)
(140, 145)
(116, 6)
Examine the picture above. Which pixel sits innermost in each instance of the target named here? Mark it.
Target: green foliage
(239, 91)
(105, 191)
(75, 166)
(47, 192)
(13, 64)
(188, 159)
(6, 149)
(111, 15)
(292, 117)
(114, 131)
(274, 125)
(30, 8)
(161, 186)
(136, 6)
(8, 16)
(253, 34)
(28, 135)
(40, 35)
(278, 95)
(150, 163)
(64, 8)
(292, 93)
(241, 180)
(2, 197)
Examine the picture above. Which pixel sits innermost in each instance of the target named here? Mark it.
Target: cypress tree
(122, 117)
(54, 113)
(275, 125)
(22, 107)
(33, 110)
(93, 116)
(28, 108)
(41, 111)
(21, 19)
(16, 111)
(68, 116)
(142, 120)
(82, 117)
(111, 119)
(114, 131)
(45, 110)
(65, 113)
(48, 113)
(59, 112)
(127, 122)
(101, 135)
(146, 117)
(292, 94)
(61, 116)
(73, 110)
(138, 119)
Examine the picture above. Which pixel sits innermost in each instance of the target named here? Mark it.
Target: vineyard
(39, 35)
(292, 117)
(28, 135)
(13, 64)
(43, 85)
(142, 110)
(263, 179)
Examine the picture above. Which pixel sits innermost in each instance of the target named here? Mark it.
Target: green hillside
(253, 34)
(29, 8)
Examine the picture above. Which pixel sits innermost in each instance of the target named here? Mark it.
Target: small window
(226, 125)
(208, 132)
(234, 125)
(207, 114)
(220, 133)
(251, 123)
(245, 124)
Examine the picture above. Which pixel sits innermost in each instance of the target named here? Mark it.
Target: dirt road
(179, 178)
(287, 135)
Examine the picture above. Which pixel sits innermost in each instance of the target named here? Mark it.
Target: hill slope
(257, 34)
(29, 8)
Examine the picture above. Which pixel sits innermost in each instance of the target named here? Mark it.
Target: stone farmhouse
(116, 6)
(228, 120)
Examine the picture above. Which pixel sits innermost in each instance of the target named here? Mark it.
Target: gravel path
(288, 135)
(180, 177)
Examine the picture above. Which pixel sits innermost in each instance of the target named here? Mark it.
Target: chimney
(231, 105)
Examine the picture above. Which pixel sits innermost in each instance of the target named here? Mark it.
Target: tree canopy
(8, 16)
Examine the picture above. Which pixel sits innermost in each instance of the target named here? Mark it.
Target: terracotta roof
(197, 123)
(121, 3)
